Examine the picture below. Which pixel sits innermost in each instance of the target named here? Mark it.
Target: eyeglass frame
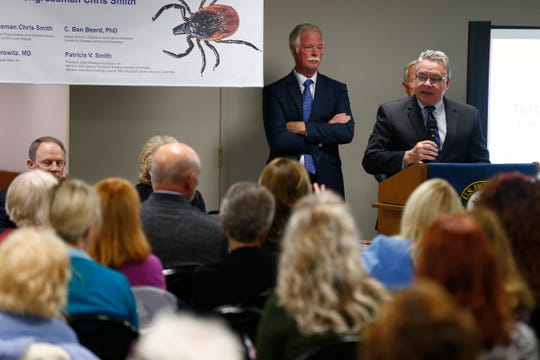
(433, 80)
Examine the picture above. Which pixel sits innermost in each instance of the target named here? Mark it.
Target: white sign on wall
(514, 103)
(132, 42)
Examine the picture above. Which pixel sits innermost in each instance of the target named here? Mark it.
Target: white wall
(26, 113)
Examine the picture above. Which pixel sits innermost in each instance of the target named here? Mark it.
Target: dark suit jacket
(5, 223)
(241, 276)
(282, 102)
(180, 233)
(400, 126)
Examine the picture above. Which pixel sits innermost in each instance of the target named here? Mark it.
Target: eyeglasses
(434, 80)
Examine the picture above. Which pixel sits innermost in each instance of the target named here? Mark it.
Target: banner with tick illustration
(132, 42)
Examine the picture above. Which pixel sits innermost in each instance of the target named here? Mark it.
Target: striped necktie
(432, 127)
(309, 163)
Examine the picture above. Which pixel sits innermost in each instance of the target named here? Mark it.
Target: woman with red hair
(456, 252)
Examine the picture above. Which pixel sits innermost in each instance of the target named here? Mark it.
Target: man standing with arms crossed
(307, 115)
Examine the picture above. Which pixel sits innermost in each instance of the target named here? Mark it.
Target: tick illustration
(212, 23)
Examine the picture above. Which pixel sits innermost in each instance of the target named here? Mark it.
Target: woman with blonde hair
(322, 292)
(24, 197)
(288, 181)
(73, 210)
(120, 242)
(391, 259)
(33, 287)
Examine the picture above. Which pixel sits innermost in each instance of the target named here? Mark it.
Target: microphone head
(432, 128)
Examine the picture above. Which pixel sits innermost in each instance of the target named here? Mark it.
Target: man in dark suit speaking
(426, 126)
(306, 114)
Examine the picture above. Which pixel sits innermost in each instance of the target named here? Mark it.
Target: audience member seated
(120, 242)
(322, 292)
(246, 214)
(391, 259)
(144, 187)
(521, 299)
(179, 233)
(515, 198)
(288, 181)
(33, 283)
(183, 336)
(421, 322)
(45, 153)
(73, 210)
(474, 281)
(24, 197)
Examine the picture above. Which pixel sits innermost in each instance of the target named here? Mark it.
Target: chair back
(344, 348)
(178, 280)
(257, 301)
(106, 337)
(243, 320)
(150, 300)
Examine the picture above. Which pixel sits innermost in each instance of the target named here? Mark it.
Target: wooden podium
(394, 191)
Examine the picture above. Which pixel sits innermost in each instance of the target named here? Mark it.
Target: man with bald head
(179, 233)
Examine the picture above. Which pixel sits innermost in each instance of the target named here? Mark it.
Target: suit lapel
(451, 125)
(415, 117)
(295, 93)
(319, 101)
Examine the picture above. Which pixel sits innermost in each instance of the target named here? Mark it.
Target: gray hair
(246, 211)
(406, 70)
(435, 55)
(294, 36)
(25, 194)
(44, 139)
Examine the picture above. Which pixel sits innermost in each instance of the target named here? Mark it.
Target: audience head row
(319, 238)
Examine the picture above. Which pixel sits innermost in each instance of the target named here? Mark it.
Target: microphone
(432, 129)
(431, 125)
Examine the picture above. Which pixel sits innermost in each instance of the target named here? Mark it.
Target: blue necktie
(306, 109)
(431, 119)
